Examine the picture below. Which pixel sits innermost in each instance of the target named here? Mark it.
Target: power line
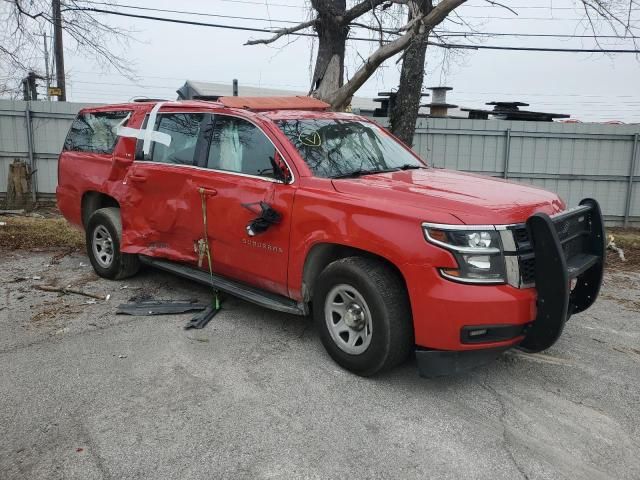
(198, 14)
(296, 22)
(442, 45)
(531, 49)
(515, 34)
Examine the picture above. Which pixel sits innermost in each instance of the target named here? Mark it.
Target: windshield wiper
(408, 166)
(360, 172)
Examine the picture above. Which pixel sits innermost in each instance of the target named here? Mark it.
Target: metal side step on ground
(237, 289)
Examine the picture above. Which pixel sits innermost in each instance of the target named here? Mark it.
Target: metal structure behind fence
(572, 159)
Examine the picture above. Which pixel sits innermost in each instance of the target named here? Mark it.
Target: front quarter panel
(322, 215)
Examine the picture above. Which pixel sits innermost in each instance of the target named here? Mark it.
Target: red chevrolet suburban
(285, 204)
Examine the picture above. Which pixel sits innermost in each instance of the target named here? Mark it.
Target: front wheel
(103, 236)
(362, 311)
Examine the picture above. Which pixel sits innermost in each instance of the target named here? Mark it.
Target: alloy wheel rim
(102, 246)
(348, 319)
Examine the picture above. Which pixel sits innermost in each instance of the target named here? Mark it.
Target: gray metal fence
(574, 160)
(35, 132)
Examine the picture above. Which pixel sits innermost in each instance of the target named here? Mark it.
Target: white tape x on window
(147, 134)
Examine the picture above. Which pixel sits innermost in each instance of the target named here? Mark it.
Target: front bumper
(440, 363)
(568, 249)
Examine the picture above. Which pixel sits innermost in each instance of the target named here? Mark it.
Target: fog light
(477, 333)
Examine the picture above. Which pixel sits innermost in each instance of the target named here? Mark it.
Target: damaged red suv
(308, 211)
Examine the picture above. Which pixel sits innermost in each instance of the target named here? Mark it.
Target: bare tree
(332, 21)
(616, 14)
(21, 40)
(405, 108)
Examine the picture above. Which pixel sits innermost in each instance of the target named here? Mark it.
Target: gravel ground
(87, 394)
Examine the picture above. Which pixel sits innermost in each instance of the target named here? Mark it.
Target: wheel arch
(322, 254)
(93, 200)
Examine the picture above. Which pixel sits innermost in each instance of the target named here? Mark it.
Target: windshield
(339, 148)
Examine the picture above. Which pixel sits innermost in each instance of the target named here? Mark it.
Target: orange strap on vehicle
(203, 202)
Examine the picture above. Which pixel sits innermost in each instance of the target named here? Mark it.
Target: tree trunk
(19, 186)
(404, 113)
(328, 73)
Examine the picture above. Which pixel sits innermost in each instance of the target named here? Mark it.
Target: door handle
(138, 178)
(209, 192)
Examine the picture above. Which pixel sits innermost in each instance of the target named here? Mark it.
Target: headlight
(477, 250)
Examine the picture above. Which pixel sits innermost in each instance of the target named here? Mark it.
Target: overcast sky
(590, 87)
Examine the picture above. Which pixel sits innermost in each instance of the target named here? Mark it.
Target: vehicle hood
(474, 199)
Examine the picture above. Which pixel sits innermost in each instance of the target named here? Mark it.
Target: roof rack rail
(206, 98)
(142, 100)
(258, 104)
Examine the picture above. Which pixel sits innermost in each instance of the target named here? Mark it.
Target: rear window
(95, 132)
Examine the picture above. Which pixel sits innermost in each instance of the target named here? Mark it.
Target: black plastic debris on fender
(159, 307)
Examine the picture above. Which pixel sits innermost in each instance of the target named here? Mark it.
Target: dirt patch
(50, 310)
(633, 305)
(628, 239)
(21, 232)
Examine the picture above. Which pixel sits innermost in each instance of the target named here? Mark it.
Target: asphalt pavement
(87, 394)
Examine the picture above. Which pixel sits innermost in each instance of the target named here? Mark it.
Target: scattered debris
(611, 245)
(79, 449)
(201, 319)
(36, 278)
(127, 287)
(159, 307)
(13, 212)
(55, 260)
(122, 356)
(141, 297)
(3, 224)
(82, 264)
(69, 289)
(51, 310)
(201, 339)
(18, 279)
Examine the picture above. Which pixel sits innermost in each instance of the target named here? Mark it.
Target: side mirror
(280, 168)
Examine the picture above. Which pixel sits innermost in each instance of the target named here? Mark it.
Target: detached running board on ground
(237, 289)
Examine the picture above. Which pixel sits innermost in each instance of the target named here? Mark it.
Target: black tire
(121, 265)
(387, 301)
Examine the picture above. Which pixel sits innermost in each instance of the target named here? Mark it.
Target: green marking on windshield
(311, 140)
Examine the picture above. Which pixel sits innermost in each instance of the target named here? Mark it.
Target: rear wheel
(362, 311)
(103, 236)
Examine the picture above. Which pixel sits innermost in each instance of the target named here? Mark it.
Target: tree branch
(343, 95)
(491, 2)
(282, 32)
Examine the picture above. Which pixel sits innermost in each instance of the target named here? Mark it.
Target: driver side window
(239, 146)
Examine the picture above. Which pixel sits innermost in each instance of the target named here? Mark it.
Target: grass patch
(54, 231)
(30, 232)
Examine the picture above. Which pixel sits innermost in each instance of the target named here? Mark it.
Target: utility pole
(46, 66)
(58, 50)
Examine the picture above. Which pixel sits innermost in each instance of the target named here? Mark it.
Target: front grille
(521, 237)
(527, 270)
(572, 229)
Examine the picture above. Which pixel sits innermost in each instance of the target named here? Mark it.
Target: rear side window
(184, 130)
(95, 132)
